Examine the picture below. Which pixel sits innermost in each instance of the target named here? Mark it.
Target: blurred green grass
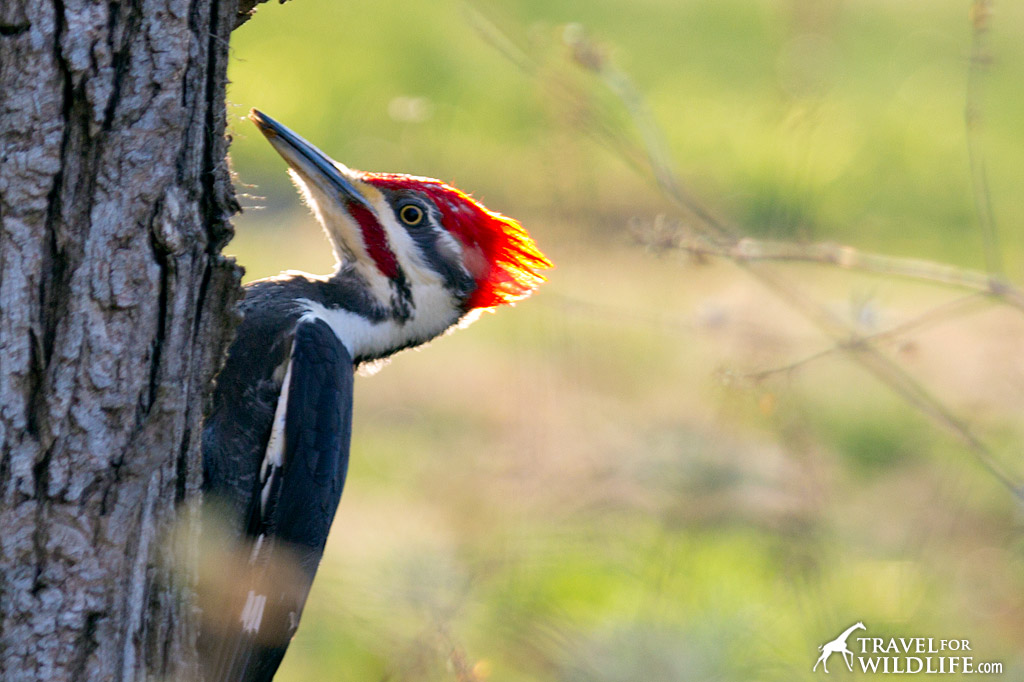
(583, 487)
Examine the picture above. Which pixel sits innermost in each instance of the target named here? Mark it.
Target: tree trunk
(115, 311)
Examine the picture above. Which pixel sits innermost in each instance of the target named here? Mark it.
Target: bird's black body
(237, 429)
(416, 256)
(285, 510)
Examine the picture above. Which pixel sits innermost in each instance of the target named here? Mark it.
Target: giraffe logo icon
(838, 645)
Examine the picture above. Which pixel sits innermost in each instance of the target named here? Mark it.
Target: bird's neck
(386, 320)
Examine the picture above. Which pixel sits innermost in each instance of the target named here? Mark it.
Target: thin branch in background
(590, 57)
(599, 128)
(940, 313)
(913, 393)
(497, 39)
(888, 373)
(981, 59)
(661, 234)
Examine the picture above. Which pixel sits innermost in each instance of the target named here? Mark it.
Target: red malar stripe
(376, 240)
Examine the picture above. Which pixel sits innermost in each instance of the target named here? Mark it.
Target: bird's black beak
(308, 161)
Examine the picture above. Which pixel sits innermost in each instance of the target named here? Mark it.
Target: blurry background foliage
(590, 486)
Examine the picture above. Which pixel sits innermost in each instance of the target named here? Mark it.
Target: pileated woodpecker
(415, 257)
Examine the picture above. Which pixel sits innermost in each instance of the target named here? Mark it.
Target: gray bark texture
(115, 312)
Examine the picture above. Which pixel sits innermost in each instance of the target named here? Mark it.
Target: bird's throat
(432, 312)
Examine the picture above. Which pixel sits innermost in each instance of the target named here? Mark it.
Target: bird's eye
(411, 214)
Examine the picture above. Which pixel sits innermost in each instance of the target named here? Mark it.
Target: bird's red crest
(499, 253)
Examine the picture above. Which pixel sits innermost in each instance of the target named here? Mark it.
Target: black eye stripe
(426, 234)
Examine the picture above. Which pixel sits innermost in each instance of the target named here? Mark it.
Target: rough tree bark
(115, 310)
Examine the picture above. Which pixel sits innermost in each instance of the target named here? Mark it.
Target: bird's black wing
(300, 484)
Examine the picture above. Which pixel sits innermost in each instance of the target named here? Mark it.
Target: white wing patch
(273, 457)
(252, 614)
(256, 547)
